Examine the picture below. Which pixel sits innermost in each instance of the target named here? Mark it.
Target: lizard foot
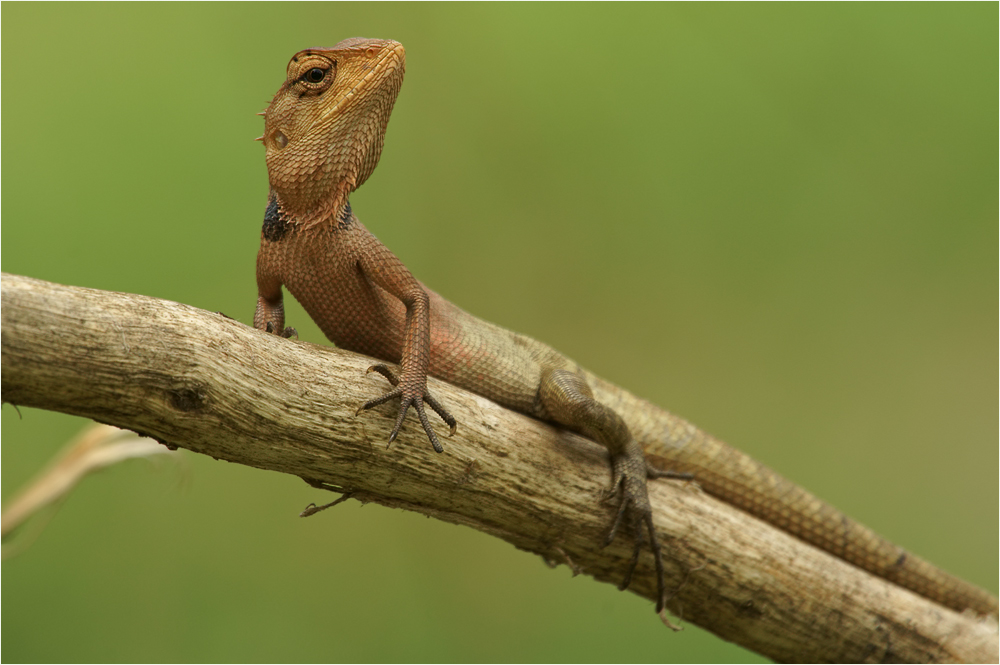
(406, 401)
(287, 333)
(634, 509)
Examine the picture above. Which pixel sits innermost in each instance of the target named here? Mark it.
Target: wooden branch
(198, 380)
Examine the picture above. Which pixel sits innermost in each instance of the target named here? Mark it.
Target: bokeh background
(779, 221)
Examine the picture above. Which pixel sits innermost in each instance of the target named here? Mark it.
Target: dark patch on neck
(276, 223)
(345, 218)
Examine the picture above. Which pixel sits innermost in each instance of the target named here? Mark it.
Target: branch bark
(201, 381)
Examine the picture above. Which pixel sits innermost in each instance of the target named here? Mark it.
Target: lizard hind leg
(569, 401)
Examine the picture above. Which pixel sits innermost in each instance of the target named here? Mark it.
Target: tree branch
(201, 381)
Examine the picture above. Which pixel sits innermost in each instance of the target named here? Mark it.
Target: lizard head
(324, 129)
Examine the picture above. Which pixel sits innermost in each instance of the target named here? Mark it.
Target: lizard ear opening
(277, 139)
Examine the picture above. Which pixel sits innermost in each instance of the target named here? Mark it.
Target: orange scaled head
(324, 129)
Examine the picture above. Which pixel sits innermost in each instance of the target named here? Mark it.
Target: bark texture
(198, 380)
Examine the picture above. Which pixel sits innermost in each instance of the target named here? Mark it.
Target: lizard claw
(419, 406)
(445, 416)
(635, 508)
(269, 327)
(406, 401)
(403, 407)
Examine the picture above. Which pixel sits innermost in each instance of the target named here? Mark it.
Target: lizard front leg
(570, 402)
(270, 313)
(384, 269)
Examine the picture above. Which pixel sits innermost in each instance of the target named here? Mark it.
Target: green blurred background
(779, 221)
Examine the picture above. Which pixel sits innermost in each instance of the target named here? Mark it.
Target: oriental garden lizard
(323, 135)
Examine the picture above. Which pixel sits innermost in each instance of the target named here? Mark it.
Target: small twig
(569, 561)
(312, 508)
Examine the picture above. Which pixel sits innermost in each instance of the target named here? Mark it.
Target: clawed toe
(384, 371)
(445, 416)
(392, 394)
(269, 327)
(637, 535)
(419, 406)
(622, 508)
(406, 401)
(639, 538)
(634, 509)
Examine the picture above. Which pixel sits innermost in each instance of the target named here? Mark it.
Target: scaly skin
(323, 135)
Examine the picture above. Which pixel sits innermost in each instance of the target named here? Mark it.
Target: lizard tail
(747, 484)
(673, 444)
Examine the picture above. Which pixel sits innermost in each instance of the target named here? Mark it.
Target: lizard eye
(315, 75)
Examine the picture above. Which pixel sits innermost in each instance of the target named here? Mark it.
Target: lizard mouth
(389, 53)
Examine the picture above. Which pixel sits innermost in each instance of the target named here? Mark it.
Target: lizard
(323, 136)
